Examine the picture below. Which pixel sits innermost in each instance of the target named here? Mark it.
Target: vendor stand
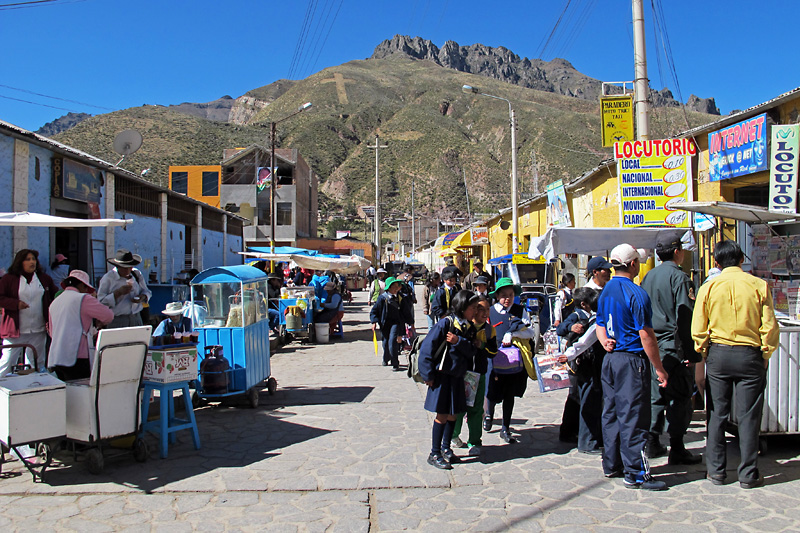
(781, 412)
(237, 325)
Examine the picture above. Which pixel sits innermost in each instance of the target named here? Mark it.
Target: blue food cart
(301, 327)
(234, 334)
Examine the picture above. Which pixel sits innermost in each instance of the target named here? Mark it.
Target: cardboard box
(169, 365)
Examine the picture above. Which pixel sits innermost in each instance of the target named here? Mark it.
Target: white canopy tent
(734, 211)
(342, 265)
(48, 221)
(598, 241)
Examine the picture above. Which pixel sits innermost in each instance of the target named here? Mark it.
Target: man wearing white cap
(625, 329)
(71, 325)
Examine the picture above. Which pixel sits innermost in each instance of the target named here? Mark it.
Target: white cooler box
(33, 408)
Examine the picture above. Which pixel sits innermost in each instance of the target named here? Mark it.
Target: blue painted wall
(6, 204)
(213, 253)
(176, 249)
(143, 237)
(39, 186)
(235, 244)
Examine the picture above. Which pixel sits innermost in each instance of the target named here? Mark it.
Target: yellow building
(201, 182)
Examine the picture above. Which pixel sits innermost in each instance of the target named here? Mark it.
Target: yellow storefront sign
(616, 113)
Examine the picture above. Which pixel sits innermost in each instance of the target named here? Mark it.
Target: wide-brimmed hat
(381, 271)
(390, 280)
(125, 259)
(481, 280)
(81, 276)
(506, 282)
(173, 308)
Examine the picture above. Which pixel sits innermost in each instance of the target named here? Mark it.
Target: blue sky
(117, 54)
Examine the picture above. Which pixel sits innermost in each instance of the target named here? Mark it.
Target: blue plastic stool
(338, 331)
(167, 425)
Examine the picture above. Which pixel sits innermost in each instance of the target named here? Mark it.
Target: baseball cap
(61, 257)
(666, 242)
(624, 255)
(598, 263)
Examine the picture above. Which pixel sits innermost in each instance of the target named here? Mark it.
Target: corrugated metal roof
(64, 149)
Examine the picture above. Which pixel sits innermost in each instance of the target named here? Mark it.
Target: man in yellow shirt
(733, 326)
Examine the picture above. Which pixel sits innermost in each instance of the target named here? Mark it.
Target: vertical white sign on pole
(783, 168)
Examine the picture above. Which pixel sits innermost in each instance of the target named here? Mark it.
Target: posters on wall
(617, 119)
(783, 168)
(738, 149)
(479, 235)
(557, 210)
(654, 176)
(264, 178)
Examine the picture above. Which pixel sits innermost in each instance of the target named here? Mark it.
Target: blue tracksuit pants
(626, 414)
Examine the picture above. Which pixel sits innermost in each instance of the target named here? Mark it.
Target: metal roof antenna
(127, 142)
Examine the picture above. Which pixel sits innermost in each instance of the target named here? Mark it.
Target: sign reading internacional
(616, 113)
(654, 177)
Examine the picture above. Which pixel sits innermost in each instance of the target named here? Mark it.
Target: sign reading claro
(783, 168)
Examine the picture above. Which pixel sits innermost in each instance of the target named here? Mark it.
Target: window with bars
(212, 221)
(136, 198)
(181, 211)
(234, 227)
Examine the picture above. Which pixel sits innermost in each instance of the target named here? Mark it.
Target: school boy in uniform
(440, 306)
(625, 329)
(391, 316)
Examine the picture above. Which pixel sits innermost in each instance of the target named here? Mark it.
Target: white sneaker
(458, 443)
(474, 451)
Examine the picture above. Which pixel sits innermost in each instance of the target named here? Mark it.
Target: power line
(37, 103)
(34, 3)
(325, 40)
(55, 97)
(550, 37)
(315, 44)
(300, 39)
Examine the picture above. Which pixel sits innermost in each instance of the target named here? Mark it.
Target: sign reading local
(783, 168)
(654, 177)
(738, 149)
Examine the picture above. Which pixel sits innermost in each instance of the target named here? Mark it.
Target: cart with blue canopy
(234, 334)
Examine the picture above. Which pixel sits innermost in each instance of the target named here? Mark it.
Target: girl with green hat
(391, 316)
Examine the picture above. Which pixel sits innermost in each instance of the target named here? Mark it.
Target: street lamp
(274, 173)
(514, 206)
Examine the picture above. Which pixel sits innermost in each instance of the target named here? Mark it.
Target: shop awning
(27, 219)
(746, 213)
(471, 237)
(446, 240)
(597, 241)
(339, 264)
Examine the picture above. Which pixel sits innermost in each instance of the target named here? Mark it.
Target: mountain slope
(438, 136)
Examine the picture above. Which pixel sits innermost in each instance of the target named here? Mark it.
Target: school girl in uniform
(511, 321)
(444, 374)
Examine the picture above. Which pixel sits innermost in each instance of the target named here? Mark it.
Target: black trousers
(735, 370)
(672, 405)
(391, 348)
(626, 414)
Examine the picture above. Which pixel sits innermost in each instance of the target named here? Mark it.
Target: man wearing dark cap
(124, 290)
(598, 272)
(477, 272)
(672, 296)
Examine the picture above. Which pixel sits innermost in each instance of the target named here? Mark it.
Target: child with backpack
(564, 304)
(446, 353)
(486, 346)
(391, 316)
(511, 322)
(431, 286)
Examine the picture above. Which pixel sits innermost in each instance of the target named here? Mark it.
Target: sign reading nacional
(783, 168)
(654, 177)
(616, 114)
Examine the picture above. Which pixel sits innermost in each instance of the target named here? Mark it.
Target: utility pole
(640, 82)
(466, 192)
(413, 240)
(377, 149)
(535, 173)
(514, 197)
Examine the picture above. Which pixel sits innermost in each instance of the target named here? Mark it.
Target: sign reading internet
(738, 149)
(654, 177)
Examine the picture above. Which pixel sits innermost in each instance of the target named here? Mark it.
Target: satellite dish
(127, 142)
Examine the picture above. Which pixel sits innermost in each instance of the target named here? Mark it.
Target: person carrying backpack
(431, 286)
(391, 316)
(444, 374)
(443, 299)
(486, 346)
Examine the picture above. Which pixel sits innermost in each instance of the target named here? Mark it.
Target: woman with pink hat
(72, 317)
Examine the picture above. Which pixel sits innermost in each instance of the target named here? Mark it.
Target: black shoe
(682, 456)
(450, 457)
(593, 451)
(654, 448)
(716, 479)
(752, 484)
(396, 369)
(487, 423)
(506, 436)
(648, 484)
(439, 462)
(615, 473)
(386, 363)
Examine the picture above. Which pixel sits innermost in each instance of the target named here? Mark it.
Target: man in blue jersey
(625, 329)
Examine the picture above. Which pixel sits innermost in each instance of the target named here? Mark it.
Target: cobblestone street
(342, 446)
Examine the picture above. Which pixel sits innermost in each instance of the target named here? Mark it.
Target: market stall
(769, 259)
(234, 334)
